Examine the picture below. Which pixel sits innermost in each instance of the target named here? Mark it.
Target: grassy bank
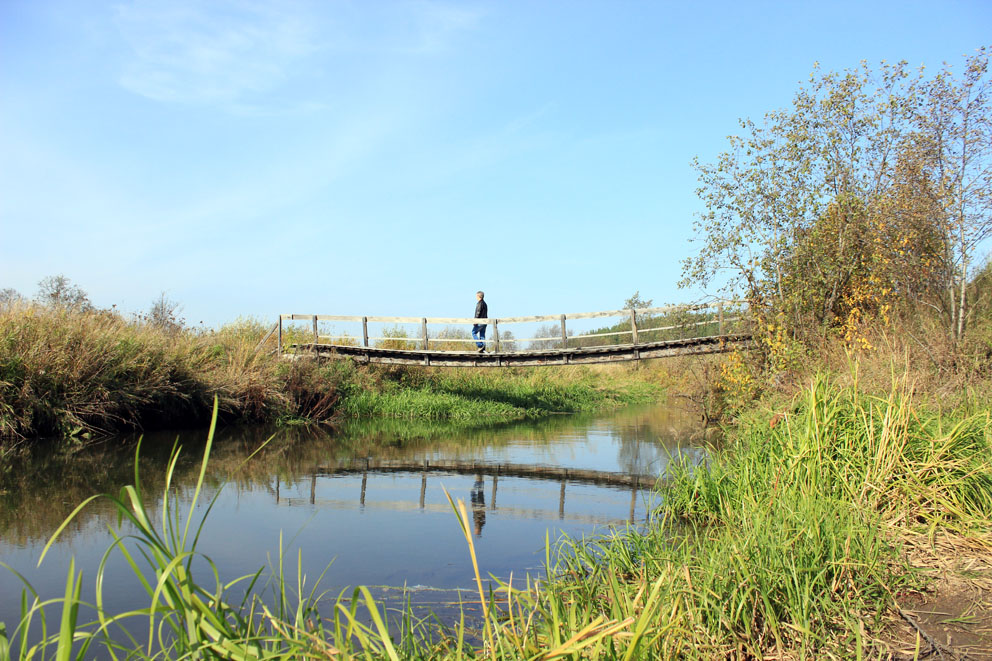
(505, 394)
(800, 540)
(69, 372)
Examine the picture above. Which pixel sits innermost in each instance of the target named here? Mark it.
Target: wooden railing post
(424, 322)
(633, 326)
(315, 332)
(496, 334)
(365, 331)
(719, 311)
(564, 336)
(280, 335)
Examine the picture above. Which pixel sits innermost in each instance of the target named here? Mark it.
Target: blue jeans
(479, 335)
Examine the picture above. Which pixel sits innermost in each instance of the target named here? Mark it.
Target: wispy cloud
(212, 52)
(437, 24)
(238, 53)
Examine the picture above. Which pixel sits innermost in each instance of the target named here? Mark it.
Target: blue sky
(251, 157)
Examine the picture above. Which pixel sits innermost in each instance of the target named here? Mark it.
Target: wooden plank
(267, 336)
(338, 317)
(395, 320)
(457, 320)
(528, 320)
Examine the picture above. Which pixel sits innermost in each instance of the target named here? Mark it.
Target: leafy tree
(872, 189)
(952, 143)
(635, 302)
(59, 291)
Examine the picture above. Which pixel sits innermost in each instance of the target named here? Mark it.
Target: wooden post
(365, 331)
(496, 333)
(280, 334)
(313, 488)
(719, 311)
(365, 480)
(424, 322)
(564, 337)
(315, 332)
(561, 501)
(633, 326)
(423, 488)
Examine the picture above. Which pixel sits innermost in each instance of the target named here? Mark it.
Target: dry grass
(79, 373)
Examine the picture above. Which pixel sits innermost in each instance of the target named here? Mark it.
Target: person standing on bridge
(479, 330)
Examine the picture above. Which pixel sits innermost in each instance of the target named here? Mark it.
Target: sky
(251, 158)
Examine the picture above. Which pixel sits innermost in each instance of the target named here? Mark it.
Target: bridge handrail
(425, 339)
(507, 320)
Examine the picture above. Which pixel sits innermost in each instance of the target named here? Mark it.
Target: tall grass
(791, 542)
(70, 372)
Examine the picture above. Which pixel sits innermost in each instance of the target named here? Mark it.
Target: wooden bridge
(634, 334)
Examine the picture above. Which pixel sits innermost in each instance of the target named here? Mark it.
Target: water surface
(394, 531)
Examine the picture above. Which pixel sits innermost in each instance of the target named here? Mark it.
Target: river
(394, 531)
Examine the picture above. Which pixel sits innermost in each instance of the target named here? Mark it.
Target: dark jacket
(481, 310)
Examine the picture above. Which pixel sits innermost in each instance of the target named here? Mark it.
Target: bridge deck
(575, 356)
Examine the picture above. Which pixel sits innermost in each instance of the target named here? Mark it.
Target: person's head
(480, 295)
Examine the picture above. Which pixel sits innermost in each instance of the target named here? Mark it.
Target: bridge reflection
(477, 494)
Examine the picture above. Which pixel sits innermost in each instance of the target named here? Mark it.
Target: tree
(58, 291)
(635, 302)
(9, 296)
(872, 188)
(164, 314)
(507, 341)
(953, 144)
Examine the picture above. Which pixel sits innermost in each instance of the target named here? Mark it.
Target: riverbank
(79, 374)
(815, 533)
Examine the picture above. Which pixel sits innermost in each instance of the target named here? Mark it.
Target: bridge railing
(553, 332)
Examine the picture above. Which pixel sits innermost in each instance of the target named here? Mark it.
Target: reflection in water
(375, 528)
(478, 505)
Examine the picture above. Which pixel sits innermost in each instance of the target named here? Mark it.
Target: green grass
(461, 395)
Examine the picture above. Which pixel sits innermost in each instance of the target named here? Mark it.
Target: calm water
(387, 530)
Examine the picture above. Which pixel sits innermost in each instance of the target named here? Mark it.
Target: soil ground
(952, 619)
